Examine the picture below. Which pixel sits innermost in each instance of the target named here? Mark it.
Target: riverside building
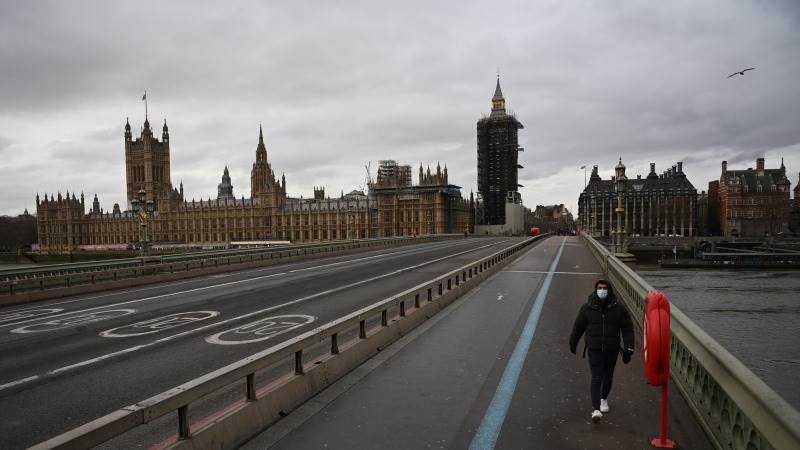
(157, 212)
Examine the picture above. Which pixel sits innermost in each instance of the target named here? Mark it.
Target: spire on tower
(261, 149)
(498, 101)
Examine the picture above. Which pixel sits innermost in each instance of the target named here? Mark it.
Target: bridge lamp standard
(584, 223)
(619, 188)
(146, 208)
(351, 222)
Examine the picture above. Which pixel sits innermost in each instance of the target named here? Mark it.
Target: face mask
(602, 294)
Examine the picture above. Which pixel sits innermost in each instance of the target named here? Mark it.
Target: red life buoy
(656, 339)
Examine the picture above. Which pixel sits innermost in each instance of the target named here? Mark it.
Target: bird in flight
(740, 73)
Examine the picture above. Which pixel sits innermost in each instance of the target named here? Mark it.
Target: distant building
(658, 205)
(553, 219)
(794, 213)
(754, 202)
(392, 173)
(702, 214)
(225, 189)
(497, 163)
(712, 224)
(392, 207)
(17, 233)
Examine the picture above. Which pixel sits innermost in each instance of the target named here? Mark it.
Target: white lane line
(381, 255)
(94, 360)
(128, 302)
(19, 315)
(435, 246)
(215, 324)
(557, 273)
(20, 381)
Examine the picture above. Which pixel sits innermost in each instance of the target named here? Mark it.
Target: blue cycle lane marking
(489, 430)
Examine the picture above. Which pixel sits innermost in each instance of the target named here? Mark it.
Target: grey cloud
(337, 85)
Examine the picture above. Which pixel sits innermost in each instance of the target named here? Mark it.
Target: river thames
(754, 314)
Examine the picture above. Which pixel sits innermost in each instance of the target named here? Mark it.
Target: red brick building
(753, 202)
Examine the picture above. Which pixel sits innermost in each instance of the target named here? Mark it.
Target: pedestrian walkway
(451, 383)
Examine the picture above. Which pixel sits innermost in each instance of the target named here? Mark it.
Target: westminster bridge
(440, 342)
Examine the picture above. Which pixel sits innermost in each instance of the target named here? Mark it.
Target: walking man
(604, 321)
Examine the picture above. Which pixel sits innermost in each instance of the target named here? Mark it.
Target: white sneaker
(596, 416)
(604, 405)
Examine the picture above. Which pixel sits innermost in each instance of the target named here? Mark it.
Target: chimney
(760, 166)
(724, 166)
(680, 166)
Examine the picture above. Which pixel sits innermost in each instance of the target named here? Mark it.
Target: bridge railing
(411, 303)
(14, 281)
(735, 407)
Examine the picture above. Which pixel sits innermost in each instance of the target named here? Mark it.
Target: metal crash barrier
(736, 408)
(310, 375)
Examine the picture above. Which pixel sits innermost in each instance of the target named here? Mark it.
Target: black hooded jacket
(603, 321)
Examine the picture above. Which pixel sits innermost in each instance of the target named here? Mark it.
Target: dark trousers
(602, 365)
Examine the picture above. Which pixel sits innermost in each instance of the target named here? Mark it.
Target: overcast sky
(338, 84)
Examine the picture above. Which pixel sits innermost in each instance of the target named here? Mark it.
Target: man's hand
(626, 355)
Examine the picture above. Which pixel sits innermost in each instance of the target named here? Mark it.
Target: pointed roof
(498, 93)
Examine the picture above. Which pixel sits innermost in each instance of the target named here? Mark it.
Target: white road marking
(557, 273)
(499, 297)
(159, 324)
(73, 321)
(216, 285)
(241, 272)
(171, 294)
(20, 381)
(27, 314)
(94, 360)
(215, 324)
(262, 329)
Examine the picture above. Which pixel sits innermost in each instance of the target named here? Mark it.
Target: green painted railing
(735, 407)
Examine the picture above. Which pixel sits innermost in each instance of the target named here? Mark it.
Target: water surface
(754, 314)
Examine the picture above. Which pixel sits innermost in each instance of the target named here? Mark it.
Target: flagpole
(145, 104)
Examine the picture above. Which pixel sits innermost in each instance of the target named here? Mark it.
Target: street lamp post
(351, 223)
(583, 218)
(619, 188)
(146, 208)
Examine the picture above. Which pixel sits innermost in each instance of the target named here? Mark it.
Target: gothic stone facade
(432, 207)
(753, 202)
(658, 205)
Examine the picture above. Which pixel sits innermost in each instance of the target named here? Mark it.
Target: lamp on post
(146, 208)
(350, 223)
(619, 188)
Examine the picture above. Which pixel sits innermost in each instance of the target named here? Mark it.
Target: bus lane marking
(72, 321)
(260, 330)
(158, 324)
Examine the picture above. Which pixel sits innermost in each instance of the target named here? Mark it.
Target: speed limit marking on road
(260, 330)
(159, 324)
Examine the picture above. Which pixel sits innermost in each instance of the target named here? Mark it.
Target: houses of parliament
(158, 212)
